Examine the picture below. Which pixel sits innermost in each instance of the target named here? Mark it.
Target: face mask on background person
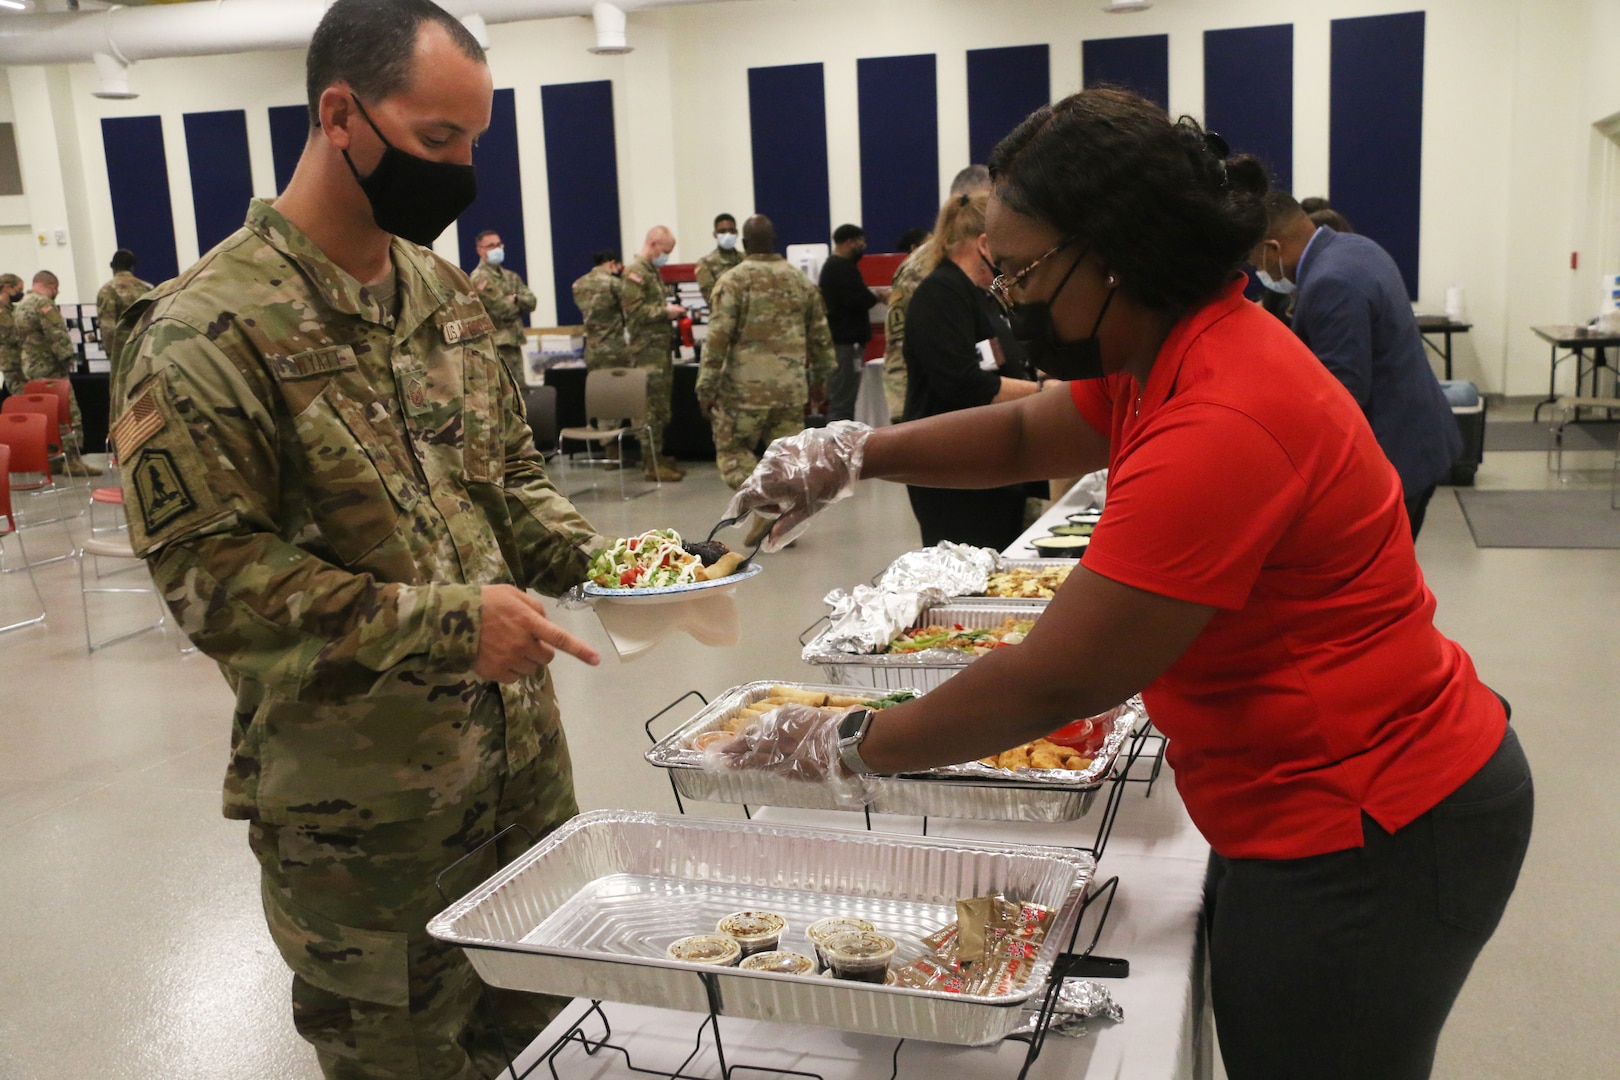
(727, 241)
(660, 259)
(412, 197)
(1279, 284)
(496, 256)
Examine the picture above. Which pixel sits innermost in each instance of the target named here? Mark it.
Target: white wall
(1512, 88)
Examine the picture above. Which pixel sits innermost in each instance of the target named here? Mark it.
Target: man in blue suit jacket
(1351, 309)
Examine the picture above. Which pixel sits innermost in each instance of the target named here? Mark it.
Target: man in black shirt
(849, 316)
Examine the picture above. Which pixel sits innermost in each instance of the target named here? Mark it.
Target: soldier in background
(768, 352)
(11, 290)
(48, 353)
(505, 297)
(724, 256)
(906, 279)
(115, 298)
(647, 315)
(597, 294)
(328, 471)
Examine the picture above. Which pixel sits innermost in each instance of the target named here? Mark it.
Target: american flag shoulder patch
(140, 422)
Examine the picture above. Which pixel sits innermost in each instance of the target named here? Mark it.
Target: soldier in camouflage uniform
(337, 493)
(724, 256)
(647, 315)
(767, 351)
(116, 297)
(48, 353)
(11, 290)
(597, 295)
(506, 298)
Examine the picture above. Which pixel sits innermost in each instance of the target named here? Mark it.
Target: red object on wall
(880, 269)
(674, 273)
(1574, 260)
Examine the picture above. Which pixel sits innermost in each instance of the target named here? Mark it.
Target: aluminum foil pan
(867, 617)
(970, 790)
(924, 670)
(589, 911)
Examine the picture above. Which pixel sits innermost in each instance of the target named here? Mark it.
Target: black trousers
(991, 518)
(1417, 506)
(1344, 966)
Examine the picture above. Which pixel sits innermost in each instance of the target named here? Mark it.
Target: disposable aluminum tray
(589, 911)
(1017, 564)
(960, 791)
(924, 670)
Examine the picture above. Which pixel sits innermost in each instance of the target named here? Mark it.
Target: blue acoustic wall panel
(1375, 131)
(289, 130)
(499, 205)
(1141, 64)
(582, 167)
(221, 173)
(787, 126)
(1249, 94)
(1004, 86)
(899, 111)
(138, 178)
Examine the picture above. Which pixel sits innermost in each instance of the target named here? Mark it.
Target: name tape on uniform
(462, 329)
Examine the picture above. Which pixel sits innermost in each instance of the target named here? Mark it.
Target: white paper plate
(667, 593)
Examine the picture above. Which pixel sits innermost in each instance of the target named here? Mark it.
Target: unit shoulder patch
(162, 491)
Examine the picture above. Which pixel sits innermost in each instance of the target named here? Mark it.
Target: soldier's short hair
(718, 218)
(606, 255)
(371, 45)
(45, 277)
(123, 259)
(971, 179)
(479, 239)
(8, 280)
(847, 232)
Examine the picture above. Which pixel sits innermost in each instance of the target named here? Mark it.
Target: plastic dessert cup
(822, 929)
(754, 931)
(781, 962)
(859, 955)
(716, 949)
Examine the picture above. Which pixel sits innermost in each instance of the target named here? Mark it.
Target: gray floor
(131, 943)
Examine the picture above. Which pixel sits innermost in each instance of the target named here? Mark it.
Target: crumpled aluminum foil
(1093, 486)
(573, 599)
(1078, 1001)
(866, 618)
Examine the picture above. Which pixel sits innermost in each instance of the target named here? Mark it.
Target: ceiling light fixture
(16, 5)
(1127, 7)
(610, 38)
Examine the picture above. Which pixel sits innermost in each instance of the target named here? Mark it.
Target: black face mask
(1066, 360)
(412, 197)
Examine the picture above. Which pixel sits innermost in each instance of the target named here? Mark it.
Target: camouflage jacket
(711, 266)
(47, 351)
(644, 300)
(597, 295)
(320, 489)
(906, 280)
(10, 350)
(495, 285)
(112, 301)
(768, 324)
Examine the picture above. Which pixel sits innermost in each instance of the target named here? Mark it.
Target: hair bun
(1248, 175)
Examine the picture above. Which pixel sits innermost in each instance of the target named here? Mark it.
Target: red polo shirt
(1244, 477)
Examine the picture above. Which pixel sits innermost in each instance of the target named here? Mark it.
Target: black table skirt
(688, 437)
(93, 390)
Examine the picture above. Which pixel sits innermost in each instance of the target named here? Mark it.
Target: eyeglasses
(1003, 285)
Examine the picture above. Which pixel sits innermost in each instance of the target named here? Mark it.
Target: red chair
(27, 434)
(63, 389)
(47, 406)
(8, 527)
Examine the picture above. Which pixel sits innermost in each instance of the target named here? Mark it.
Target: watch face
(853, 724)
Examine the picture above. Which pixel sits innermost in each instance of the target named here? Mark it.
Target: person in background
(1312, 203)
(115, 298)
(597, 295)
(959, 356)
(768, 353)
(11, 372)
(1351, 309)
(647, 317)
(911, 240)
(327, 469)
(1367, 803)
(849, 314)
(724, 256)
(506, 298)
(906, 279)
(48, 353)
(1331, 218)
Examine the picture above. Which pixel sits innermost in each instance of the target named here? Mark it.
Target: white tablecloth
(871, 406)
(1166, 1035)
(1072, 501)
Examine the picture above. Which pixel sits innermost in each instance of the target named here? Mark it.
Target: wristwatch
(851, 730)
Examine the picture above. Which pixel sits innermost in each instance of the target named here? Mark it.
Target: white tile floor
(131, 942)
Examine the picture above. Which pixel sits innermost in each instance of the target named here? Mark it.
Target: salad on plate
(659, 559)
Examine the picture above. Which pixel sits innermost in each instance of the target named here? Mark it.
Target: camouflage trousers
(512, 357)
(894, 385)
(604, 358)
(655, 360)
(377, 997)
(741, 432)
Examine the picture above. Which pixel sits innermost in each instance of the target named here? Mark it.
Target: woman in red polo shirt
(1253, 577)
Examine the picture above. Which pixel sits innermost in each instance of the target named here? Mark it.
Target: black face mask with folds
(412, 197)
(1066, 360)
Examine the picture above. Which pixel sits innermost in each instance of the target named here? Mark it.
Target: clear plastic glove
(800, 476)
(795, 741)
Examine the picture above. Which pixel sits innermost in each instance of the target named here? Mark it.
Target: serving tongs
(726, 523)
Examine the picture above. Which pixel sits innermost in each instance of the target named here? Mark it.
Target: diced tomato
(959, 626)
(628, 577)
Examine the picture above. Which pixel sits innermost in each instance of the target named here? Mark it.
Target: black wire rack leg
(680, 806)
